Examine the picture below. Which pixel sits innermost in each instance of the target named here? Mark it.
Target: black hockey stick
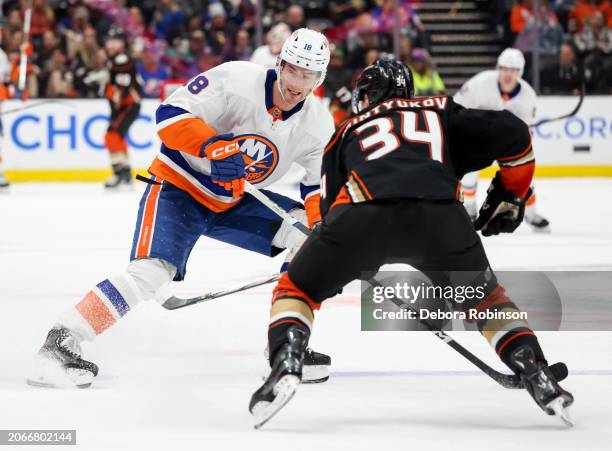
(565, 116)
(34, 105)
(505, 380)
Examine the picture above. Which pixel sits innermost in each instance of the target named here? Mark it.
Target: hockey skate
(284, 378)
(59, 363)
(537, 222)
(542, 385)
(121, 179)
(4, 183)
(316, 366)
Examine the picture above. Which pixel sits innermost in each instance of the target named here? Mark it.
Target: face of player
(113, 46)
(296, 83)
(508, 78)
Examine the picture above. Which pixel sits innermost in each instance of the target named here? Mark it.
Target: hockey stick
(173, 302)
(505, 380)
(34, 105)
(565, 116)
(23, 62)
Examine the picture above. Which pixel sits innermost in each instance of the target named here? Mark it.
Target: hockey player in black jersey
(390, 193)
(124, 93)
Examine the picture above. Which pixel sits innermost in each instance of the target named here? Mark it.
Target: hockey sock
(287, 312)
(506, 335)
(290, 305)
(113, 298)
(102, 307)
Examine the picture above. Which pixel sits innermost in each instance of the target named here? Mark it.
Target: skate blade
(543, 230)
(315, 374)
(35, 383)
(284, 390)
(48, 374)
(557, 406)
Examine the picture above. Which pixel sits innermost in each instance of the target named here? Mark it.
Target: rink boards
(62, 140)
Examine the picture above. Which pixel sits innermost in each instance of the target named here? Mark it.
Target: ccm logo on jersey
(260, 155)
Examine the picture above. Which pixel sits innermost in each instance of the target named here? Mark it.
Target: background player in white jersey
(266, 55)
(234, 122)
(501, 89)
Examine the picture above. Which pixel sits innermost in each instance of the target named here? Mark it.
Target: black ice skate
(538, 223)
(59, 363)
(121, 178)
(316, 367)
(284, 378)
(542, 385)
(4, 183)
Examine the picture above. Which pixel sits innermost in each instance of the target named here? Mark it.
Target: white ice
(182, 380)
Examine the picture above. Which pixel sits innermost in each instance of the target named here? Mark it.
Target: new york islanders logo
(260, 155)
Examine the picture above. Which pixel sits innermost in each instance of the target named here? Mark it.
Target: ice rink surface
(182, 380)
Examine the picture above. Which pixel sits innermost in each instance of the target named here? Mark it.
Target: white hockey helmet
(512, 58)
(308, 49)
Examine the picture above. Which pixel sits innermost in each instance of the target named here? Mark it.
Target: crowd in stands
(575, 42)
(177, 39)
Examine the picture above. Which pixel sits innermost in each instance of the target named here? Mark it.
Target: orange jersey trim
(148, 222)
(186, 135)
(313, 211)
(342, 198)
(165, 172)
(518, 179)
(285, 288)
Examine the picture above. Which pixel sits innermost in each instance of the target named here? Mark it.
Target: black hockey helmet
(385, 79)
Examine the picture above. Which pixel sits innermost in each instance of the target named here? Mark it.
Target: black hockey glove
(502, 211)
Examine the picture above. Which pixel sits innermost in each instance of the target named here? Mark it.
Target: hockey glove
(226, 162)
(502, 211)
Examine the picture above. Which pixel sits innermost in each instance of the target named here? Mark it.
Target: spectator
(169, 19)
(186, 65)
(566, 76)
(595, 46)
(75, 28)
(96, 79)
(152, 72)
(522, 12)
(406, 50)
(295, 17)
(50, 42)
(218, 30)
(384, 15)
(56, 80)
(544, 25)
(266, 55)
(245, 17)
(585, 9)
(42, 20)
(84, 61)
(242, 49)
(338, 86)
(427, 81)
(596, 38)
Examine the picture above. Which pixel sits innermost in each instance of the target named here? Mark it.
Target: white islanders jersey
(236, 97)
(482, 92)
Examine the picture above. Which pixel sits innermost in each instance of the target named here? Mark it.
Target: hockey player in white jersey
(501, 89)
(238, 121)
